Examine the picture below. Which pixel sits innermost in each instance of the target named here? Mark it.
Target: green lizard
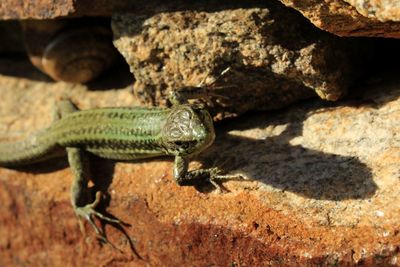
(119, 134)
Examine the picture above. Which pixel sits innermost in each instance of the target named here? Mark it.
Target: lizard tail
(35, 148)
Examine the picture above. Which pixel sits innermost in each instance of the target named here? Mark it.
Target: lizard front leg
(185, 177)
(201, 91)
(182, 95)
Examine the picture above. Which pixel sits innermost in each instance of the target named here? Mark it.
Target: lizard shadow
(276, 159)
(272, 160)
(102, 171)
(48, 166)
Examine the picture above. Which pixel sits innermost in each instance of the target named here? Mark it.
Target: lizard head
(188, 130)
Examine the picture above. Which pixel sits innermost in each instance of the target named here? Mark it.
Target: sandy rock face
(352, 18)
(383, 10)
(322, 189)
(274, 55)
(341, 17)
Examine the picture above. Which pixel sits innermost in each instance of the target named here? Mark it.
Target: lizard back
(115, 133)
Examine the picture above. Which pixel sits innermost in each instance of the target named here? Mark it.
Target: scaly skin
(117, 133)
(121, 134)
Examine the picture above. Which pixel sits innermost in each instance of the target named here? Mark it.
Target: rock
(383, 10)
(378, 18)
(322, 189)
(51, 9)
(37, 9)
(275, 57)
(343, 19)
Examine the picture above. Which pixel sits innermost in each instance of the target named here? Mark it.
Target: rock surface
(340, 18)
(36, 9)
(322, 189)
(275, 57)
(51, 9)
(383, 10)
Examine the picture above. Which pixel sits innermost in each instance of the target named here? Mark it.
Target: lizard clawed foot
(88, 213)
(218, 98)
(216, 176)
(182, 95)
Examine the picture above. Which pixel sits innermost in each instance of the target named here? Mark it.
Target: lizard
(123, 133)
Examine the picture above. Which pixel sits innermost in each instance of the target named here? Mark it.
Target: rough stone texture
(50, 9)
(336, 16)
(322, 190)
(383, 10)
(275, 56)
(341, 18)
(35, 9)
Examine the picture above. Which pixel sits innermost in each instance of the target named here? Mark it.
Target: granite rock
(322, 189)
(383, 10)
(53, 9)
(275, 57)
(35, 9)
(343, 19)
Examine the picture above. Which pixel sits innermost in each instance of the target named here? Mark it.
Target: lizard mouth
(184, 146)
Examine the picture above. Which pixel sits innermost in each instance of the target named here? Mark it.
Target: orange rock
(343, 19)
(320, 191)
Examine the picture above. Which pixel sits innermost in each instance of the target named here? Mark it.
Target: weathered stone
(50, 9)
(35, 9)
(275, 57)
(373, 18)
(341, 18)
(322, 190)
(383, 10)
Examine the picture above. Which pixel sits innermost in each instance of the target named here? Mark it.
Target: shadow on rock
(19, 66)
(272, 160)
(117, 77)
